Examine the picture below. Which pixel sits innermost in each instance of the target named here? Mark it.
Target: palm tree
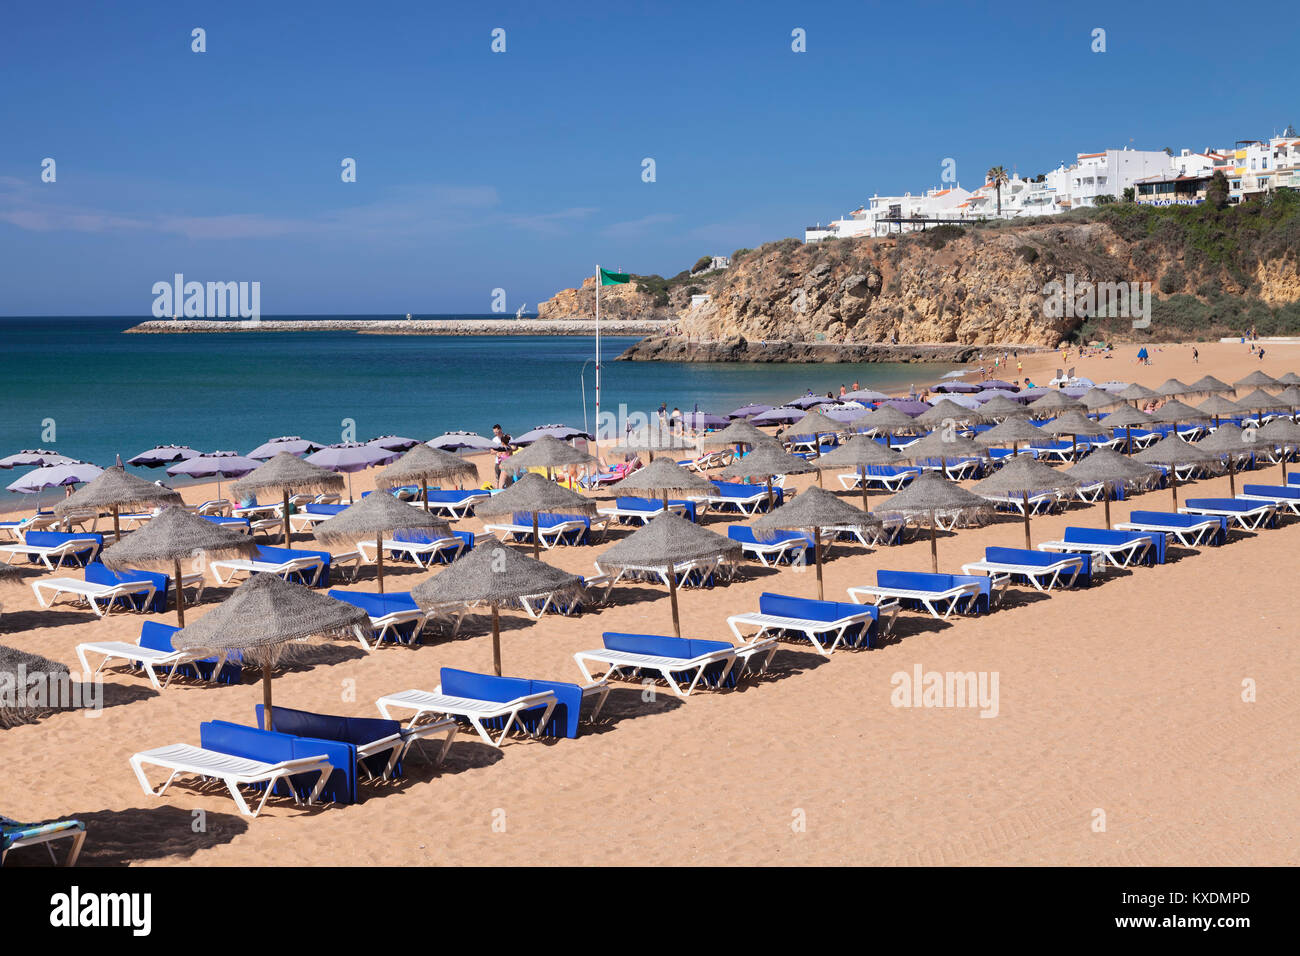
(998, 176)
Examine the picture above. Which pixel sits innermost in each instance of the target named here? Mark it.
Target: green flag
(613, 278)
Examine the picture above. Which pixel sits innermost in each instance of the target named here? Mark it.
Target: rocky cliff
(628, 301)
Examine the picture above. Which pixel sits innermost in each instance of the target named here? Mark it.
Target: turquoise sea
(104, 393)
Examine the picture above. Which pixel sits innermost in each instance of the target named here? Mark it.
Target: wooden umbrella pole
(379, 560)
(537, 540)
(1173, 482)
(117, 533)
(1232, 475)
(180, 593)
(425, 484)
(672, 596)
(1105, 496)
(817, 558)
(266, 694)
(934, 548)
(862, 475)
(771, 502)
(1025, 493)
(496, 639)
(286, 517)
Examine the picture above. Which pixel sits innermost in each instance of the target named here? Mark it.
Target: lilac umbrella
(774, 416)
(700, 421)
(866, 395)
(454, 441)
(809, 401)
(909, 407)
(52, 476)
(290, 443)
(965, 401)
(562, 432)
(349, 456)
(749, 411)
(956, 387)
(163, 455)
(1114, 386)
(393, 442)
(845, 413)
(993, 393)
(216, 464)
(991, 383)
(35, 456)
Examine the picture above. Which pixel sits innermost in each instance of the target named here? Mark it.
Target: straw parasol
(1283, 433)
(816, 424)
(264, 614)
(764, 462)
(1127, 418)
(930, 496)
(1290, 396)
(1231, 441)
(289, 476)
(495, 574)
(115, 490)
(1096, 399)
(1137, 393)
(374, 517)
(1257, 379)
(1209, 385)
(549, 452)
(1260, 400)
(171, 535)
(999, 406)
(1054, 403)
(537, 496)
(887, 419)
(1023, 476)
(1173, 451)
(814, 510)
(665, 478)
(941, 445)
(1015, 431)
(859, 453)
(1290, 378)
(1073, 424)
(948, 410)
(662, 545)
(1173, 411)
(1173, 387)
(1216, 406)
(17, 670)
(1110, 467)
(425, 464)
(739, 432)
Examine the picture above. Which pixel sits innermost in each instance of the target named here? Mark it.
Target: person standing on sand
(501, 442)
(1196, 356)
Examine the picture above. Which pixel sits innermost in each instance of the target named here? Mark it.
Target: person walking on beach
(501, 442)
(1196, 356)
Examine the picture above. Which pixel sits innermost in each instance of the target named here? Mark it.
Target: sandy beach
(1121, 736)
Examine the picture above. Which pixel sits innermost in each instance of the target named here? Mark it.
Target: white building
(1112, 171)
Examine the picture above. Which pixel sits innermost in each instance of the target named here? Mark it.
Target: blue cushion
(280, 555)
(564, 718)
(275, 747)
(808, 609)
(661, 646)
(356, 731)
(315, 508)
(1155, 555)
(97, 573)
(50, 539)
(1038, 559)
(1174, 520)
(1272, 491)
(937, 583)
(451, 497)
(747, 535)
(379, 605)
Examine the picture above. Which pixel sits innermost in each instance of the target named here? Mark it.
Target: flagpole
(597, 432)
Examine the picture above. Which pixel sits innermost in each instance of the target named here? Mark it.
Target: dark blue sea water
(108, 393)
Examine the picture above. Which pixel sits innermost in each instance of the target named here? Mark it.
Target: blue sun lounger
(837, 622)
(153, 652)
(888, 477)
(744, 498)
(394, 616)
(1040, 569)
(1247, 515)
(925, 590)
(53, 548)
(1119, 547)
(790, 547)
(1190, 531)
(1284, 496)
(676, 660)
(628, 509)
(456, 504)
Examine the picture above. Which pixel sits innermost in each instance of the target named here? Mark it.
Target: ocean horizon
(100, 393)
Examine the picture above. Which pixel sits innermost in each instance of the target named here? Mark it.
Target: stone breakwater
(739, 349)
(404, 327)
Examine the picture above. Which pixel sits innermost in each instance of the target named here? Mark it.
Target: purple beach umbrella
(749, 411)
(776, 416)
(909, 407)
(806, 402)
(35, 457)
(455, 441)
(394, 442)
(701, 421)
(956, 387)
(215, 464)
(163, 455)
(562, 432)
(53, 476)
(992, 383)
(349, 456)
(290, 443)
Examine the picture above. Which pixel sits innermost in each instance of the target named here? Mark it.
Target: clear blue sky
(522, 170)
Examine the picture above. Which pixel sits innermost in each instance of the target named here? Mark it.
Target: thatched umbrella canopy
(662, 545)
(1024, 476)
(932, 496)
(1281, 433)
(1172, 451)
(1137, 393)
(949, 411)
(1290, 378)
(1012, 431)
(424, 464)
(1127, 418)
(171, 535)
(887, 419)
(1209, 385)
(263, 615)
(1290, 396)
(1073, 424)
(537, 496)
(1054, 403)
(812, 511)
(1260, 400)
(999, 406)
(656, 441)
(374, 517)
(1257, 379)
(816, 424)
(1110, 467)
(549, 452)
(739, 432)
(1097, 399)
(1231, 441)
(32, 679)
(1173, 411)
(495, 574)
(667, 479)
(117, 491)
(8, 572)
(941, 446)
(765, 461)
(1173, 387)
(288, 475)
(1216, 407)
(859, 453)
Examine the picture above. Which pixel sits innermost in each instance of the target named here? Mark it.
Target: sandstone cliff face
(616, 302)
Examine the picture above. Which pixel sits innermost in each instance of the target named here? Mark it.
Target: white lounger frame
(817, 632)
(426, 704)
(1193, 537)
(1251, 520)
(90, 593)
(148, 658)
(281, 569)
(184, 759)
(930, 600)
(1116, 555)
(57, 552)
(1043, 578)
(421, 552)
